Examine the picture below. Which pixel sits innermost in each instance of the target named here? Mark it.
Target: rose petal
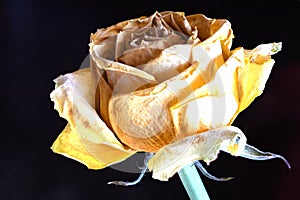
(109, 32)
(253, 76)
(103, 92)
(203, 114)
(234, 87)
(177, 21)
(205, 146)
(137, 44)
(215, 31)
(69, 144)
(212, 105)
(74, 100)
(142, 118)
(138, 56)
(210, 30)
(175, 59)
(106, 64)
(169, 63)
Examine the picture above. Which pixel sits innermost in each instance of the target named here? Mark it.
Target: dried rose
(167, 84)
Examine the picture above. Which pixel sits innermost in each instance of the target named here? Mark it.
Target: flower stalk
(192, 183)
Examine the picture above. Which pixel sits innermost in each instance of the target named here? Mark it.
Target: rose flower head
(168, 85)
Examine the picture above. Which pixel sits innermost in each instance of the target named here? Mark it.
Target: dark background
(42, 39)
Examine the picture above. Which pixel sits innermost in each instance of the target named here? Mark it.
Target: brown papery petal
(137, 45)
(218, 37)
(103, 92)
(136, 57)
(108, 65)
(210, 30)
(177, 21)
(105, 33)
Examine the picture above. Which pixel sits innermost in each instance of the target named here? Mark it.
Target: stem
(192, 183)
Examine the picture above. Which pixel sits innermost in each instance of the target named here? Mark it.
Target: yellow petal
(74, 100)
(253, 76)
(235, 85)
(212, 105)
(69, 144)
(205, 146)
(204, 113)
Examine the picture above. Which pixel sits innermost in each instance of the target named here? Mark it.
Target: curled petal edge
(205, 146)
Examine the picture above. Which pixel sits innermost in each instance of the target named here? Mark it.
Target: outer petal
(69, 144)
(253, 76)
(206, 146)
(74, 100)
(212, 105)
(236, 84)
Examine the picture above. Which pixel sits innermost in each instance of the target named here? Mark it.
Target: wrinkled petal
(142, 46)
(143, 39)
(142, 118)
(235, 85)
(205, 146)
(211, 30)
(177, 21)
(74, 100)
(106, 64)
(175, 59)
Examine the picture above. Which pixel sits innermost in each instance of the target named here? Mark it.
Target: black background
(42, 39)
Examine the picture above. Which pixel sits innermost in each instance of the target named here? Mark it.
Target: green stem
(192, 183)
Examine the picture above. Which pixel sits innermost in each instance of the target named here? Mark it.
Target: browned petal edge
(209, 29)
